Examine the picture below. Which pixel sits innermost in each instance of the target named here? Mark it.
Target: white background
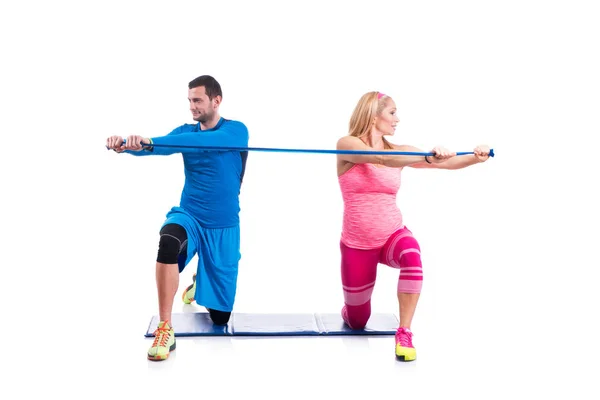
(510, 298)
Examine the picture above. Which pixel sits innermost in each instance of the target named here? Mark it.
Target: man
(207, 220)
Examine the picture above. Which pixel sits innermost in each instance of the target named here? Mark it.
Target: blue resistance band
(390, 153)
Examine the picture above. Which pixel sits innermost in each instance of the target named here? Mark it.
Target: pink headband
(380, 95)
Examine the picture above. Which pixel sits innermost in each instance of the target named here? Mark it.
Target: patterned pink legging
(359, 270)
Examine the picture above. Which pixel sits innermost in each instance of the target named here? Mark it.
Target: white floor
(467, 363)
(98, 351)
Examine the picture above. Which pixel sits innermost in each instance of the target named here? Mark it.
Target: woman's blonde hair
(369, 106)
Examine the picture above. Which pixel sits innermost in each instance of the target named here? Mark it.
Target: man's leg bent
(173, 240)
(218, 271)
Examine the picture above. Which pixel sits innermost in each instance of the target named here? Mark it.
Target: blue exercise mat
(241, 324)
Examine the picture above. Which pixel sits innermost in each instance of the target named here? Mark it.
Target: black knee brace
(173, 239)
(219, 317)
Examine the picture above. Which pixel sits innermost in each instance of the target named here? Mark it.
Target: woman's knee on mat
(357, 316)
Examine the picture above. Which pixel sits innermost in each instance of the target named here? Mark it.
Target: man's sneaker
(190, 292)
(164, 342)
(405, 350)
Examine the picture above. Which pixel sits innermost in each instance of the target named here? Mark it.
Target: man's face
(202, 108)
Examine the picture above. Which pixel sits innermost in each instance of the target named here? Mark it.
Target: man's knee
(219, 317)
(173, 239)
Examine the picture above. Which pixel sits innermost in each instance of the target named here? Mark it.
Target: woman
(373, 231)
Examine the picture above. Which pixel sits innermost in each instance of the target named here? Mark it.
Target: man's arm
(135, 148)
(133, 144)
(229, 135)
(232, 134)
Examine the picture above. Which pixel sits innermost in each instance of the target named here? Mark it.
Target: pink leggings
(359, 270)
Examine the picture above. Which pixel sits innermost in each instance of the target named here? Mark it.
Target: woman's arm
(395, 161)
(481, 154)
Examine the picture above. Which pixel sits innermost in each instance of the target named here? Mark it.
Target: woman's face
(386, 122)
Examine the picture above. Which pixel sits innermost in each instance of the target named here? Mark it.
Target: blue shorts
(218, 251)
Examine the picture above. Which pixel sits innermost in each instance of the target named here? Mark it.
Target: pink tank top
(370, 211)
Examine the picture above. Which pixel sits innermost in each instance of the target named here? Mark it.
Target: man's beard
(204, 117)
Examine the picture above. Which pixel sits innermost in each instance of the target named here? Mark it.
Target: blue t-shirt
(213, 178)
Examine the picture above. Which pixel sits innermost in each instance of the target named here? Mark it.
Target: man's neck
(211, 123)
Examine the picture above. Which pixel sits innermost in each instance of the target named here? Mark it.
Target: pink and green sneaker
(164, 342)
(405, 351)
